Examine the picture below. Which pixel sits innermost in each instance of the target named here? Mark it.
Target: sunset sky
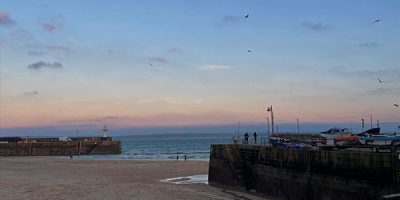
(67, 65)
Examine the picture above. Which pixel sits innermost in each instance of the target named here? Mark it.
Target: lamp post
(370, 116)
(362, 124)
(269, 109)
(298, 126)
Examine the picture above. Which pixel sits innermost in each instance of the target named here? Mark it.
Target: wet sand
(59, 178)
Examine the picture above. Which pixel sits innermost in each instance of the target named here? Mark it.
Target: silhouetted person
(70, 155)
(255, 138)
(185, 158)
(177, 157)
(246, 138)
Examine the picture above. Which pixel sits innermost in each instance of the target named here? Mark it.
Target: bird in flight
(380, 81)
(249, 51)
(151, 66)
(247, 16)
(397, 105)
(376, 21)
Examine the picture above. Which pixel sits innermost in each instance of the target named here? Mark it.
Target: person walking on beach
(246, 138)
(255, 138)
(177, 157)
(185, 158)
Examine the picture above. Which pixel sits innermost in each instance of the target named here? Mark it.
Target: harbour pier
(286, 173)
(56, 147)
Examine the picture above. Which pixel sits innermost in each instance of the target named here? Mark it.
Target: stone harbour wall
(304, 174)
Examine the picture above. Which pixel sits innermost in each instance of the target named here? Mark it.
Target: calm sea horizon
(165, 147)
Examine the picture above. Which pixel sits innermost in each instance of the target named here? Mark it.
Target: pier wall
(60, 148)
(304, 174)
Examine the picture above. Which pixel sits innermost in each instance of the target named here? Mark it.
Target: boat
(381, 140)
(333, 133)
(347, 140)
(372, 131)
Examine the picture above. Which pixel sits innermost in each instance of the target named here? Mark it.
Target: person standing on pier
(246, 138)
(255, 138)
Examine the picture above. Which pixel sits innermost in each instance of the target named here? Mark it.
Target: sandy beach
(62, 178)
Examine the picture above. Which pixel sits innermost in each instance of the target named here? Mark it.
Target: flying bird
(151, 65)
(247, 16)
(397, 105)
(376, 21)
(380, 80)
(249, 51)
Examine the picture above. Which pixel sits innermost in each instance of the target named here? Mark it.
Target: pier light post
(362, 124)
(370, 116)
(298, 126)
(269, 109)
(238, 130)
(105, 132)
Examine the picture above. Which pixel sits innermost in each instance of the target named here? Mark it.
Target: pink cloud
(48, 27)
(54, 24)
(5, 19)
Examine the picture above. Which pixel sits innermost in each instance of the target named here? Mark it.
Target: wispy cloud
(31, 93)
(369, 45)
(159, 60)
(229, 19)
(109, 119)
(35, 53)
(315, 26)
(157, 100)
(214, 67)
(41, 64)
(389, 75)
(365, 72)
(5, 19)
(174, 50)
(383, 91)
(21, 36)
(54, 24)
(59, 48)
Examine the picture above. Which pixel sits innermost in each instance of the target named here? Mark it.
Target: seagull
(151, 66)
(249, 51)
(247, 16)
(380, 80)
(397, 105)
(376, 21)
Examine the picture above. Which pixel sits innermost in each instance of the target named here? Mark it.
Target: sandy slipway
(56, 178)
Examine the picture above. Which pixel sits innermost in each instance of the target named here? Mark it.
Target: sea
(165, 147)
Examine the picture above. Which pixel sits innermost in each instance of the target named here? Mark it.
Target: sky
(197, 66)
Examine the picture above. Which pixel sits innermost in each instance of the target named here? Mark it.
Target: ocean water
(165, 147)
(195, 179)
